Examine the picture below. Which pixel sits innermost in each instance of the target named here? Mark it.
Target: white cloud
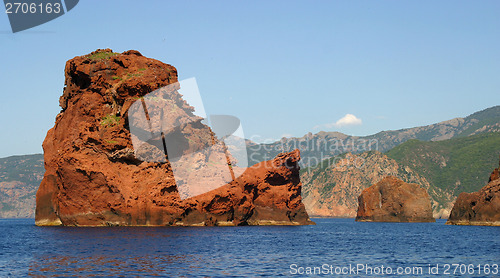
(347, 120)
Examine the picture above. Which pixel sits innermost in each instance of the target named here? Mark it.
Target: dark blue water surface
(331, 245)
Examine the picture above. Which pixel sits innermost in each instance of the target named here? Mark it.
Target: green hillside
(455, 165)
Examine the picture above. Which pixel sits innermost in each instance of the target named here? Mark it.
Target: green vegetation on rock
(101, 56)
(110, 120)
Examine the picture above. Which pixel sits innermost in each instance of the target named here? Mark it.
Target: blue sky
(282, 67)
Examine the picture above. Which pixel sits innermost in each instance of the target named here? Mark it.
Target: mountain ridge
(322, 145)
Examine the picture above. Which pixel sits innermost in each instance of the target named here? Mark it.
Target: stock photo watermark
(26, 14)
(169, 125)
(454, 269)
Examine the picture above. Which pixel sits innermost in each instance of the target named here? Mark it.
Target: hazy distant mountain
(20, 177)
(322, 145)
(445, 168)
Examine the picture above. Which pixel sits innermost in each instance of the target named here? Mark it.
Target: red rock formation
(479, 208)
(392, 200)
(93, 177)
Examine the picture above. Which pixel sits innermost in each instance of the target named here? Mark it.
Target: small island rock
(393, 200)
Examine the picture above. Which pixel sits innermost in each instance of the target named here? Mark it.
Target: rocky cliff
(479, 208)
(94, 177)
(393, 200)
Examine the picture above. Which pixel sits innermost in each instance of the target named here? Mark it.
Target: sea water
(332, 247)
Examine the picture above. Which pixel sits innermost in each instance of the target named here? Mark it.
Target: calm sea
(333, 247)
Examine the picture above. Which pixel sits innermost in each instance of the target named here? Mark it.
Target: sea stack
(393, 200)
(478, 208)
(94, 176)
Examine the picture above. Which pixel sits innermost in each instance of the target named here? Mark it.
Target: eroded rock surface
(392, 200)
(94, 177)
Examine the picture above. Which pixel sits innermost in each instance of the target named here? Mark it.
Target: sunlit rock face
(100, 172)
(393, 200)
